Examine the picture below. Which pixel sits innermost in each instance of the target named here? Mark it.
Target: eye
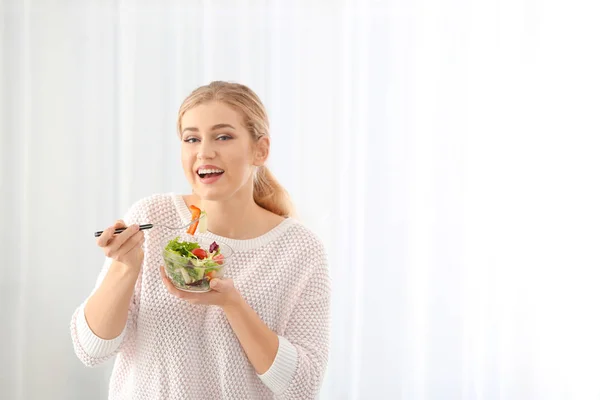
(191, 140)
(224, 137)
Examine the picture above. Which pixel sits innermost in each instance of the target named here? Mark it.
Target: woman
(263, 330)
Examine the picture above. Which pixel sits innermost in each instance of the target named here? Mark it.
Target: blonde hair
(268, 192)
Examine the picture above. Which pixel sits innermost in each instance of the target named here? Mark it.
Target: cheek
(241, 165)
(187, 156)
(187, 162)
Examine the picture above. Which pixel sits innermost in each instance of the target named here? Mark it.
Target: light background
(445, 152)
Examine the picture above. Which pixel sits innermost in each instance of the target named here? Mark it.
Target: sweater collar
(236, 244)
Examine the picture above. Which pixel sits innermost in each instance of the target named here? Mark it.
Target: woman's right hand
(125, 247)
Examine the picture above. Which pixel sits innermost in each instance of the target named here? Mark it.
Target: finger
(216, 284)
(163, 274)
(221, 284)
(108, 235)
(115, 245)
(133, 243)
(105, 237)
(120, 224)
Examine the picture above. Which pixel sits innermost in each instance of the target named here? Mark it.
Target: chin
(212, 194)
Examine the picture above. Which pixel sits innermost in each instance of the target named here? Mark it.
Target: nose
(205, 151)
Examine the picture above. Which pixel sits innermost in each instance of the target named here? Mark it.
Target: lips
(209, 171)
(209, 174)
(210, 178)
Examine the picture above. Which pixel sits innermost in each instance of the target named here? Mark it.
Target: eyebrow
(215, 127)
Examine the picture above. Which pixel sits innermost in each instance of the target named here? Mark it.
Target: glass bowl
(191, 262)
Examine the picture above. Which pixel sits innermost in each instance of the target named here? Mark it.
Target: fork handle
(142, 227)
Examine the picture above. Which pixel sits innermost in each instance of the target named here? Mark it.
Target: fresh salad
(188, 264)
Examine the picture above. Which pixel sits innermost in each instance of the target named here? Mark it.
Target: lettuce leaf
(182, 248)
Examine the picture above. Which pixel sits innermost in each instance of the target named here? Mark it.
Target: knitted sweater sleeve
(300, 363)
(89, 348)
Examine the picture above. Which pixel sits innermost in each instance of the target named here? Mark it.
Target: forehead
(206, 115)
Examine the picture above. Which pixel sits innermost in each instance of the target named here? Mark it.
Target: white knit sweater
(171, 349)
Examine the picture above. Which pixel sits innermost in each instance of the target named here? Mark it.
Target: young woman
(263, 330)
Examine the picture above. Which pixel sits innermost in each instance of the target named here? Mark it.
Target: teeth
(209, 171)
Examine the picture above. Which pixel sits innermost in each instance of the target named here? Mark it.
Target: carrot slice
(195, 215)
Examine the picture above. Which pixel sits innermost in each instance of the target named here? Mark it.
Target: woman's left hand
(223, 293)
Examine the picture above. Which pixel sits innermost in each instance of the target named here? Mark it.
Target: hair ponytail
(270, 195)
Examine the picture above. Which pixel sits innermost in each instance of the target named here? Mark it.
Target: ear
(261, 152)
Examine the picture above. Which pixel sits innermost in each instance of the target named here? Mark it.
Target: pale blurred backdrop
(447, 153)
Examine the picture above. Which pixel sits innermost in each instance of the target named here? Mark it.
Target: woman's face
(217, 153)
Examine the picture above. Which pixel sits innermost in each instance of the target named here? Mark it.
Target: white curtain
(447, 153)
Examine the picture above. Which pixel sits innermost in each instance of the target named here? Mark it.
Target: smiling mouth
(209, 173)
